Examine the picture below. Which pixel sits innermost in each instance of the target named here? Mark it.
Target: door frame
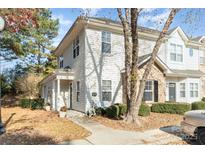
(174, 90)
(71, 94)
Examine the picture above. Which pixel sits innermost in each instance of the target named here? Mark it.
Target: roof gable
(180, 32)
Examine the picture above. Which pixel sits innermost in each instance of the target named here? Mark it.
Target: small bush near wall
(203, 99)
(100, 111)
(112, 111)
(198, 105)
(32, 103)
(144, 110)
(122, 108)
(173, 108)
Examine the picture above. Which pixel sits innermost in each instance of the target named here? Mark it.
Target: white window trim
(75, 46)
(152, 90)
(106, 42)
(61, 61)
(107, 90)
(78, 91)
(182, 90)
(194, 90)
(176, 53)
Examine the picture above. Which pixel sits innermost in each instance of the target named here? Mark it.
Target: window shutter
(156, 91)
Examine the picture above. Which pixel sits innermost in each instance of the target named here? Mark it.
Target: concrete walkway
(102, 135)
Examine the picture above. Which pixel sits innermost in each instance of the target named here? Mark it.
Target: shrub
(144, 110)
(25, 103)
(198, 105)
(112, 111)
(203, 99)
(122, 108)
(172, 108)
(32, 103)
(100, 111)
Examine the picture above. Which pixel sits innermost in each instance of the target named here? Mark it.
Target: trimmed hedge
(122, 108)
(198, 105)
(112, 111)
(118, 110)
(32, 103)
(172, 108)
(144, 110)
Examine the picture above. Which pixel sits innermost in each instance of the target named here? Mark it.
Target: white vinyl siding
(191, 52)
(176, 53)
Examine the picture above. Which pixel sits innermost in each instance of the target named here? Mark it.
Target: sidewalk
(102, 135)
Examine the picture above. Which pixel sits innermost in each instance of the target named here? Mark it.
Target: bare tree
(29, 85)
(135, 85)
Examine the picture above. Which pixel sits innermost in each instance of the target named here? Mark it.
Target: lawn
(25, 126)
(155, 120)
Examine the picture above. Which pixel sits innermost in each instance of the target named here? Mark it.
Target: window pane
(106, 96)
(173, 56)
(147, 96)
(191, 52)
(106, 47)
(179, 58)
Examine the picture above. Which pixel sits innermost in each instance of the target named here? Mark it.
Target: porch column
(53, 95)
(58, 93)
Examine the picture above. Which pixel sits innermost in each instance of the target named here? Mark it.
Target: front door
(71, 90)
(172, 92)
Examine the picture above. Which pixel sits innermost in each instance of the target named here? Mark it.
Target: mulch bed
(25, 126)
(155, 120)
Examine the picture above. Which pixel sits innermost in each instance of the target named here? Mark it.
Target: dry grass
(25, 126)
(155, 120)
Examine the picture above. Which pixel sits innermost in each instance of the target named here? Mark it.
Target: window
(182, 90)
(78, 91)
(61, 61)
(202, 58)
(76, 47)
(106, 42)
(193, 89)
(148, 92)
(191, 52)
(176, 53)
(106, 90)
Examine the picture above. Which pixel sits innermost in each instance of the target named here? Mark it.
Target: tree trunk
(153, 57)
(134, 92)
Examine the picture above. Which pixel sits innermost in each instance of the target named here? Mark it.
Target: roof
(185, 73)
(142, 58)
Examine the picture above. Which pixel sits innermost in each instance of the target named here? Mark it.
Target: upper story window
(193, 89)
(202, 59)
(61, 61)
(76, 47)
(191, 53)
(106, 42)
(176, 53)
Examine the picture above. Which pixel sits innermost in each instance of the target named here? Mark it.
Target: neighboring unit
(91, 66)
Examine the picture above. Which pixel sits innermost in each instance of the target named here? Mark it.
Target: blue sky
(191, 24)
(190, 20)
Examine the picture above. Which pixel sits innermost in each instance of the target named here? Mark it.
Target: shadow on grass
(176, 130)
(25, 136)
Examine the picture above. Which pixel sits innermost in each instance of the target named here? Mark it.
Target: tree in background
(12, 38)
(40, 41)
(134, 85)
(28, 85)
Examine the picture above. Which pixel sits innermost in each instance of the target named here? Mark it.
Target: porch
(57, 88)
